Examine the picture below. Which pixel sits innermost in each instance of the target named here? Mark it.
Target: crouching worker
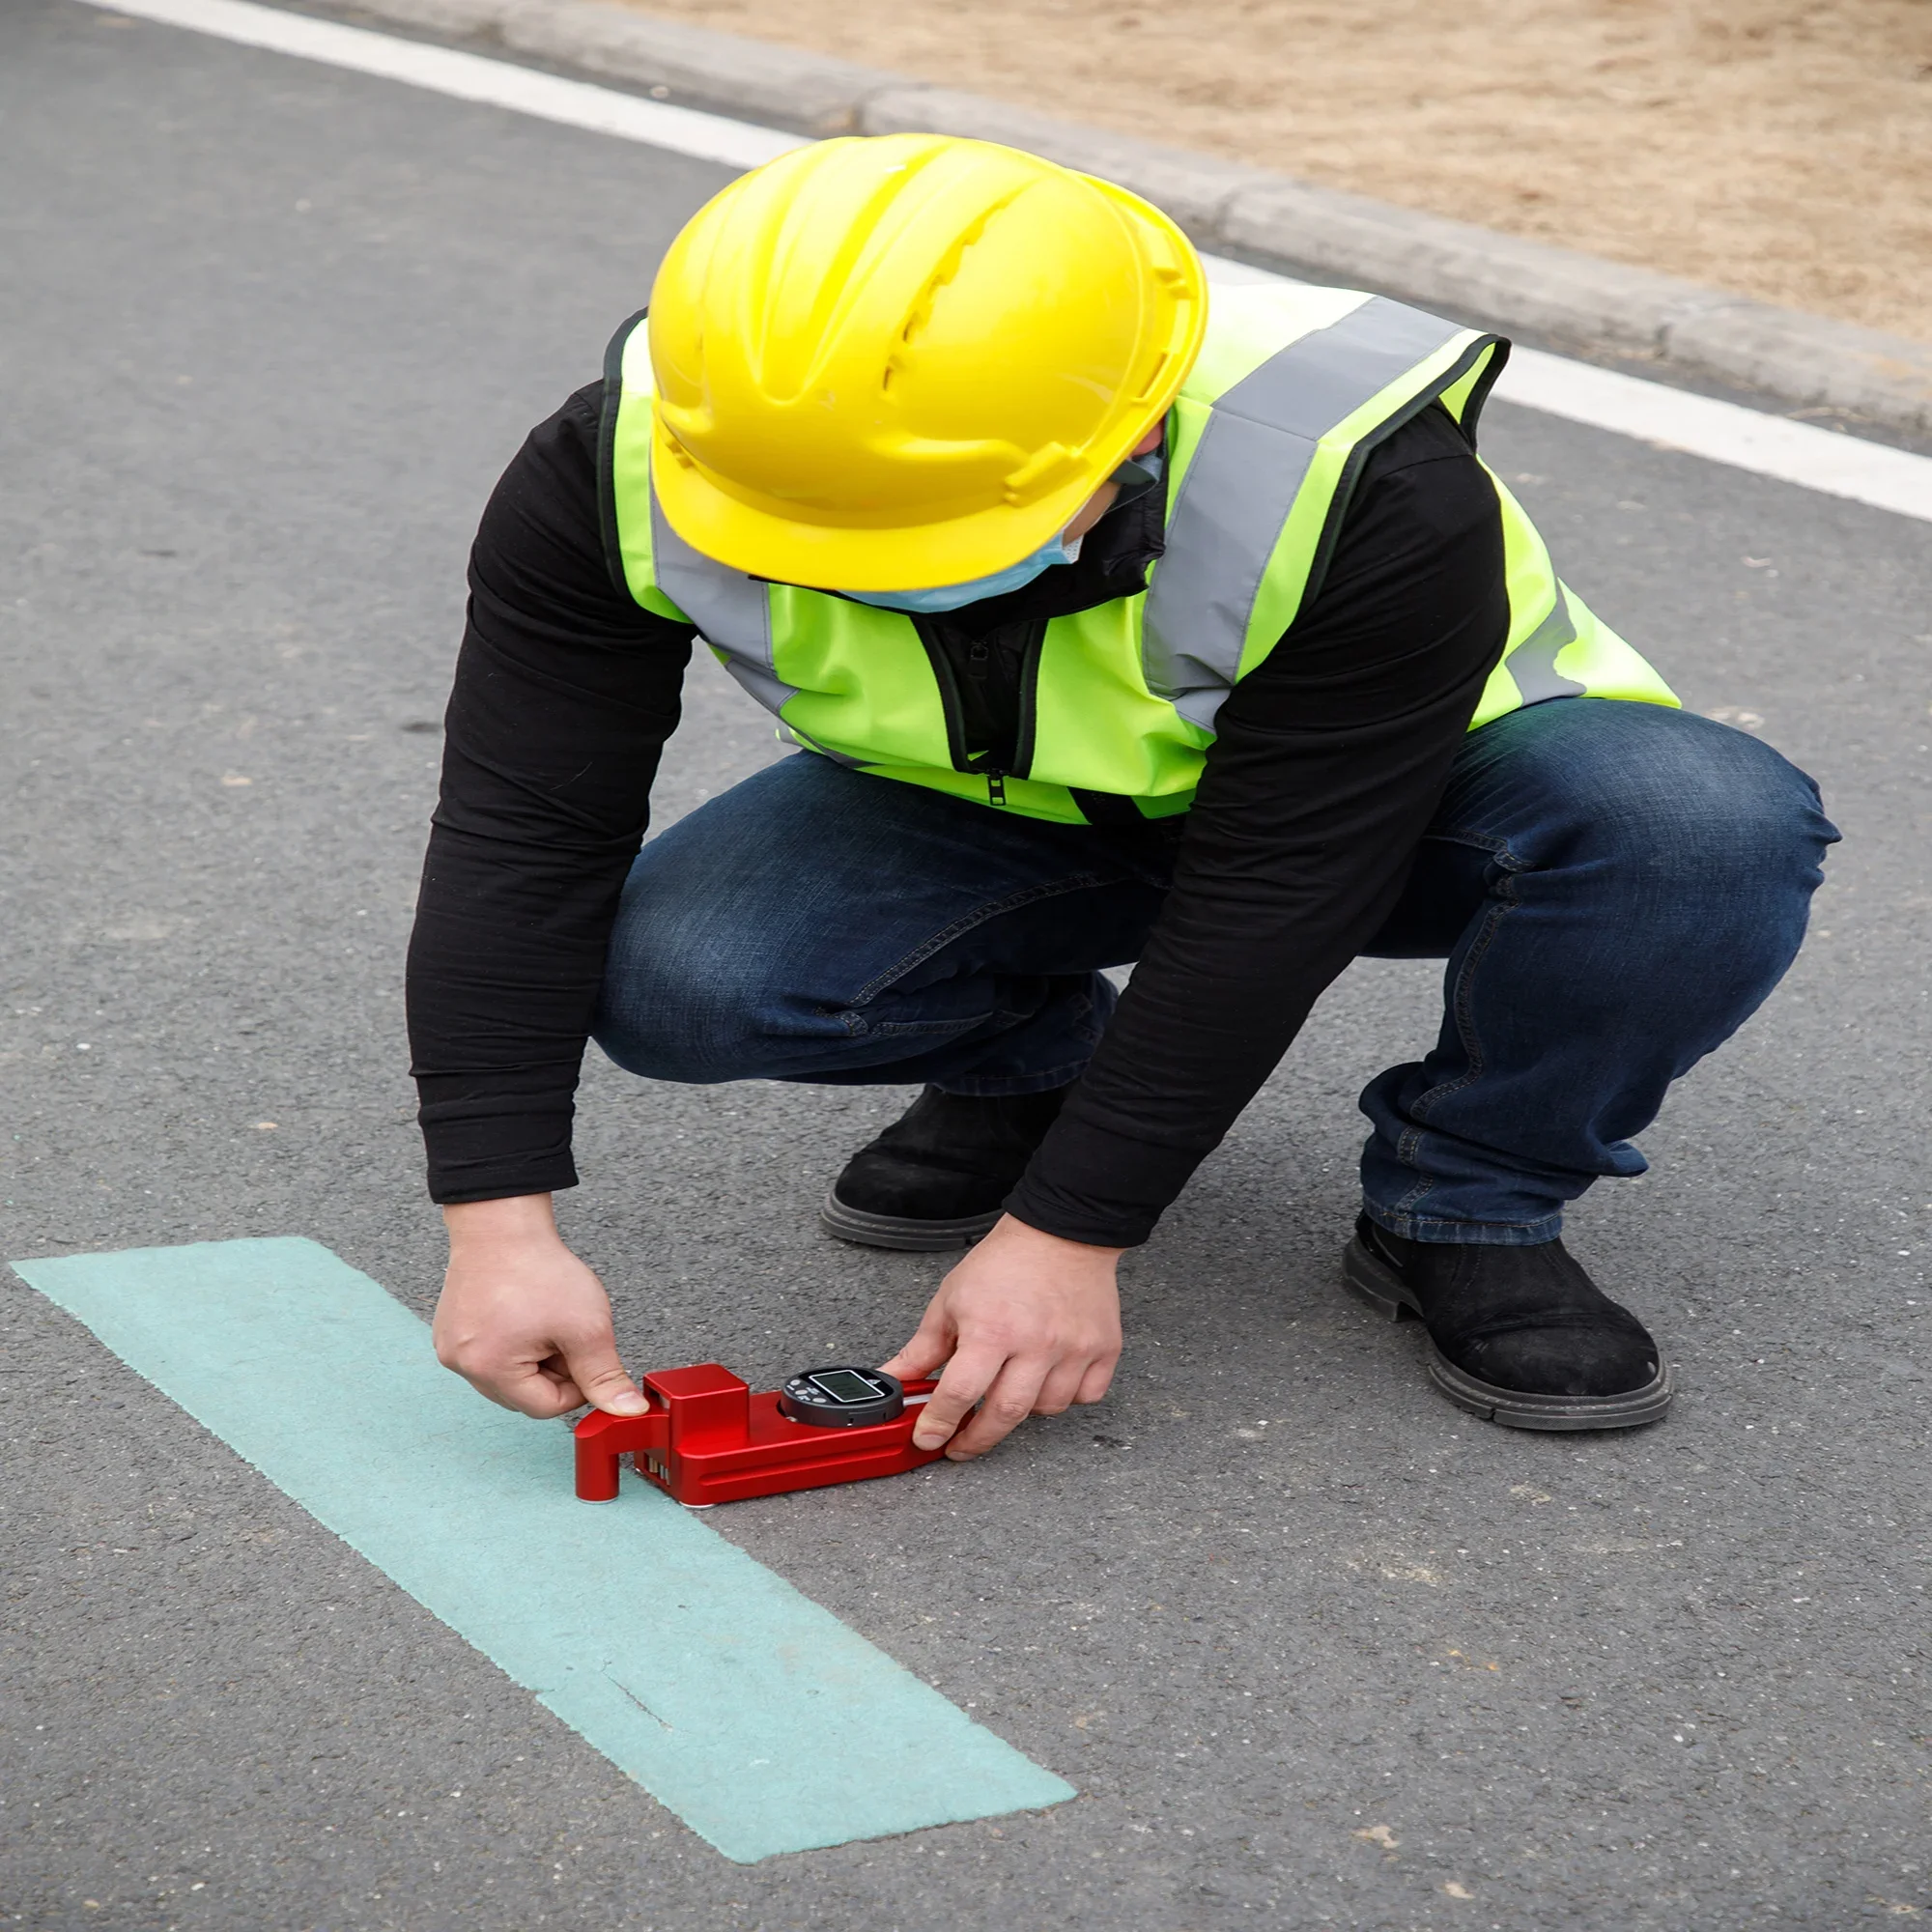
(1114, 619)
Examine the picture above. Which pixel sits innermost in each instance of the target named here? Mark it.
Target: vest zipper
(1025, 709)
(950, 708)
(978, 659)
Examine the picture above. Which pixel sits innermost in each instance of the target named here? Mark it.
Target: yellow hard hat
(899, 362)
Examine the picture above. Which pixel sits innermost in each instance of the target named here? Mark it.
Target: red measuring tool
(707, 1438)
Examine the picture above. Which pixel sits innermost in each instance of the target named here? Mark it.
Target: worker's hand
(1027, 1323)
(522, 1319)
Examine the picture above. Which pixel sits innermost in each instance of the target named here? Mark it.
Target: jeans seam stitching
(1484, 842)
(1412, 1224)
(1411, 1142)
(1462, 1002)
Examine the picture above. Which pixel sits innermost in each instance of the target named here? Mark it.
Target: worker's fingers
(1098, 1379)
(1060, 1389)
(1007, 1403)
(599, 1376)
(968, 1376)
(530, 1388)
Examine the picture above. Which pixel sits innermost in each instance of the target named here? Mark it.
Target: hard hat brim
(874, 554)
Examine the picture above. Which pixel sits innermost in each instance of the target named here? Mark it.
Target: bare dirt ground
(1781, 148)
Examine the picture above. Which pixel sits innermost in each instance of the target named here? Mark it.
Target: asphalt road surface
(1316, 1649)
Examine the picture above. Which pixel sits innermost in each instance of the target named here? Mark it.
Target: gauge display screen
(847, 1385)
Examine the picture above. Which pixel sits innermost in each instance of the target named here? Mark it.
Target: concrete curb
(1477, 272)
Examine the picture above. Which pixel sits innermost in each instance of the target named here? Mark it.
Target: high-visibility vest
(1292, 387)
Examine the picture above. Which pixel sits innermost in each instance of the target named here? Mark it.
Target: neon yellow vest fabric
(1293, 389)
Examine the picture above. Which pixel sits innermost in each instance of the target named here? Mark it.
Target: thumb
(595, 1369)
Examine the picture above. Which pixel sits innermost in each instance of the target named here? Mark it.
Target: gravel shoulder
(1776, 147)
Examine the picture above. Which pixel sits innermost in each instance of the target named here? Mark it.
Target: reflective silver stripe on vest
(733, 615)
(1533, 661)
(732, 611)
(1252, 461)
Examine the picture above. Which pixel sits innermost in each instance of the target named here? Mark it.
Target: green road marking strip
(751, 1713)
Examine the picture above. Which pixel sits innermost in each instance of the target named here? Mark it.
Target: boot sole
(1372, 1282)
(901, 1230)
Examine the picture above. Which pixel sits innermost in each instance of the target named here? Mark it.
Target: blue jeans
(1615, 886)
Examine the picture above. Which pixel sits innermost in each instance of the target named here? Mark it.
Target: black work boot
(936, 1177)
(1521, 1336)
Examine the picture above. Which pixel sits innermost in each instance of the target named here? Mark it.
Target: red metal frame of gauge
(707, 1438)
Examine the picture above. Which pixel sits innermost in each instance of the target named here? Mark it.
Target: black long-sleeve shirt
(1329, 759)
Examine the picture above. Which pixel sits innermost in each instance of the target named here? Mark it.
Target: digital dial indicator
(842, 1397)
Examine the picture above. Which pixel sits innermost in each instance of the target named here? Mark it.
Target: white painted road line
(495, 83)
(1823, 459)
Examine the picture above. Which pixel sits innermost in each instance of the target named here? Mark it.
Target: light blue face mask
(950, 596)
(1136, 477)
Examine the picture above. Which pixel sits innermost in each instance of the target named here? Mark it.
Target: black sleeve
(565, 692)
(1330, 758)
